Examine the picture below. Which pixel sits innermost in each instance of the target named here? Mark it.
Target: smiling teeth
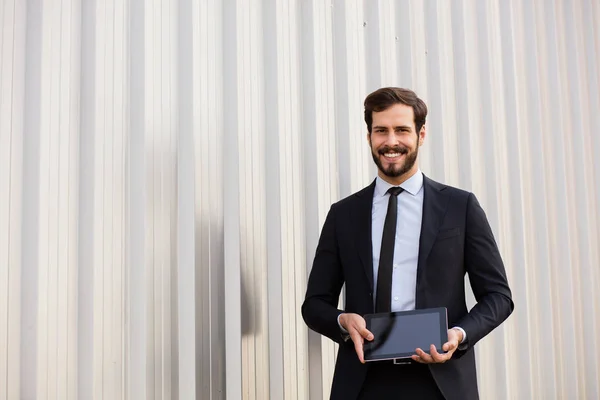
(392, 154)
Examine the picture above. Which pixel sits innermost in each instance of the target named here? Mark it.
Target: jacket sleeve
(325, 281)
(487, 277)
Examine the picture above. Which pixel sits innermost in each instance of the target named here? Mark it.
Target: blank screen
(403, 334)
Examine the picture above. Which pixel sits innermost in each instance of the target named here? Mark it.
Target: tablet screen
(398, 334)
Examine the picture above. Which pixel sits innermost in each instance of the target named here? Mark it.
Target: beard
(395, 170)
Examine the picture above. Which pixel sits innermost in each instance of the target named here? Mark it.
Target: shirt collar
(412, 185)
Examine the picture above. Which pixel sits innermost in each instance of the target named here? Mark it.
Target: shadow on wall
(250, 307)
(249, 297)
(247, 307)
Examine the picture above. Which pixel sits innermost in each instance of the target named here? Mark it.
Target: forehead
(398, 114)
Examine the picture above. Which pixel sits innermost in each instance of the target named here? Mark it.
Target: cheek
(375, 144)
(411, 144)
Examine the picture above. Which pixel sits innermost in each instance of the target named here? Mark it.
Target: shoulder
(453, 191)
(363, 196)
(458, 199)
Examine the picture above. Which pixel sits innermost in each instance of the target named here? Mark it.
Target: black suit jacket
(455, 240)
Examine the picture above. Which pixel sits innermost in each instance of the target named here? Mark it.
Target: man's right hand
(357, 329)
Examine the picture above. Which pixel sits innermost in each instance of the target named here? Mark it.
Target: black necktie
(386, 257)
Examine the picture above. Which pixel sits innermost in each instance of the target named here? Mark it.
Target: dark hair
(384, 98)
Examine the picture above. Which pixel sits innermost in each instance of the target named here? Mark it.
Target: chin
(393, 172)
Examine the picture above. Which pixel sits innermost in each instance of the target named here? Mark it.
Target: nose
(391, 139)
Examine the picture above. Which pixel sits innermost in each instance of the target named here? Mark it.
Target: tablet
(398, 334)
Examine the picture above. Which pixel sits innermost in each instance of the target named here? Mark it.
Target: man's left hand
(454, 339)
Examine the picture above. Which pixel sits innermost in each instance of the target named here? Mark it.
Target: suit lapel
(363, 230)
(435, 203)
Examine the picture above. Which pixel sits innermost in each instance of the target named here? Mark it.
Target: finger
(361, 331)
(426, 358)
(356, 337)
(416, 358)
(437, 357)
(450, 345)
(360, 325)
(358, 345)
(360, 354)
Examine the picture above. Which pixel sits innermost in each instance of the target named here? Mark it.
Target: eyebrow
(396, 127)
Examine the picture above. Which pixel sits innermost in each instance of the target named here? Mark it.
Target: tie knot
(395, 190)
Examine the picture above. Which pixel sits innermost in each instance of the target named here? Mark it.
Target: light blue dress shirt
(408, 232)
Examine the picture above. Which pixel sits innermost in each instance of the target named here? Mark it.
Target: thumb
(450, 344)
(364, 332)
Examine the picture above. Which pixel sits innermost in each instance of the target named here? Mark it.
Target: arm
(319, 309)
(486, 275)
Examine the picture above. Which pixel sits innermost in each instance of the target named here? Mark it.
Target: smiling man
(405, 242)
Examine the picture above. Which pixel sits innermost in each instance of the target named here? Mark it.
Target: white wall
(165, 168)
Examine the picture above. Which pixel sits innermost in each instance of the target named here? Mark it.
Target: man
(439, 234)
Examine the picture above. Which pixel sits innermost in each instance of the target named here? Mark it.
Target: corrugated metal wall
(165, 168)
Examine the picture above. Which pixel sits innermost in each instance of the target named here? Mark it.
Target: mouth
(392, 155)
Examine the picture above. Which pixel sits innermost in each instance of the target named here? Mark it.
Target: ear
(422, 134)
(369, 138)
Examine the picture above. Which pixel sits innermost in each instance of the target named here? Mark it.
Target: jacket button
(371, 294)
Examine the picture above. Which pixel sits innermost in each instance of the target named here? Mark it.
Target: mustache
(394, 149)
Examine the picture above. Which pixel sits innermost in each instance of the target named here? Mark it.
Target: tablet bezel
(443, 323)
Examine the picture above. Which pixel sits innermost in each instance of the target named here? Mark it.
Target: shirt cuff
(345, 335)
(340, 325)
(462, 345)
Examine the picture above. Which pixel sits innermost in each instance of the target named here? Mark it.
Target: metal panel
(12, 66)
(165, 169)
